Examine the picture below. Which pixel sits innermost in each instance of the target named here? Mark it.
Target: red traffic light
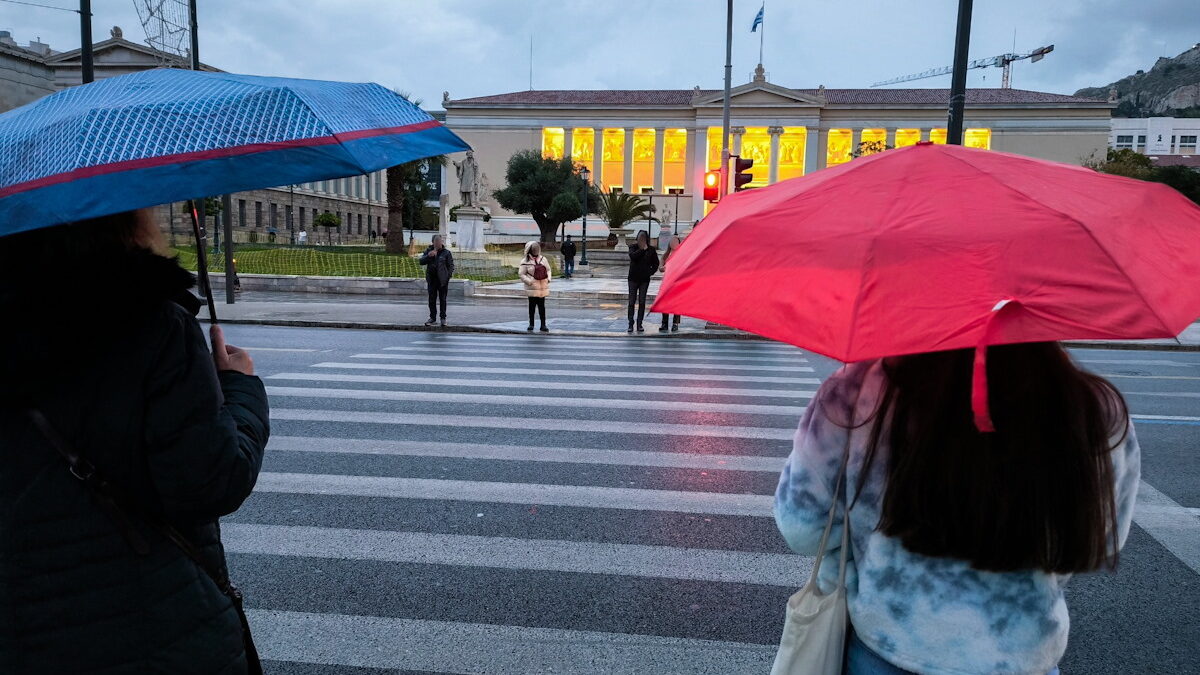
(712, 186)
(741, 175)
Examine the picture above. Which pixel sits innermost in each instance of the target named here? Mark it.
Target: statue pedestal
(622, 242)
(470, 229)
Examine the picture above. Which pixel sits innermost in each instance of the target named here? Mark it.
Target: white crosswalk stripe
(572, 373)
(642, 363)
(368, 430)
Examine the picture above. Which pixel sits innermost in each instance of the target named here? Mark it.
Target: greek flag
(758, 18)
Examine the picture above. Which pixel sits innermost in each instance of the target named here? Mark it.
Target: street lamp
(586, 175)
(291, 215)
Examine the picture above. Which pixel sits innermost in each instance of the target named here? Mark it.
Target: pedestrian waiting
(439, 267)
(960, 541)
(643, 263)
(667, 251)
(125, 439)
(534, 272)
(568, 255)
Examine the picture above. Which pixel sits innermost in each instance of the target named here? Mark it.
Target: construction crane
(1003, 61)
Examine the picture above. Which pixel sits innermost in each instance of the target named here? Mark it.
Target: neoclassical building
(661, 142)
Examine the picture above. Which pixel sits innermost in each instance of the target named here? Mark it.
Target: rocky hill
(1170, 89)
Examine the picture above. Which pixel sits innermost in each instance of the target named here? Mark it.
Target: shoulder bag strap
(833, 507)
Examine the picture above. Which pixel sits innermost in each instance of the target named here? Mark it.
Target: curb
(707, 335)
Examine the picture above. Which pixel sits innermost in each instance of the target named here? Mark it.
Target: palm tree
(407, 192)
(620, 208)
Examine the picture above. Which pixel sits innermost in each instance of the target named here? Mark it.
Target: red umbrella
(937, 247)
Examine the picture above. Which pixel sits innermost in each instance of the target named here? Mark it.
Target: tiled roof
(1192, 161)
(678, 97)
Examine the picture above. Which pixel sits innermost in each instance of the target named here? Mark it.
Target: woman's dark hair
(643, 233)
(1035, 494)
(87, 244)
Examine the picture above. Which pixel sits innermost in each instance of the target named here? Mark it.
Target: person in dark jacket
(127, 380)
(568, 254)
(439, 267)
(643, 263)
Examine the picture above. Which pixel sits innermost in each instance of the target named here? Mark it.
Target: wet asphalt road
(457, 503)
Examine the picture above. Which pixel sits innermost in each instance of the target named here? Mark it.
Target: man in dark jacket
(132, 386)
(568, 254)
(643, 263)
(439, 267)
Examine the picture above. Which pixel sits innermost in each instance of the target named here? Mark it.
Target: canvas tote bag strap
(837, 492)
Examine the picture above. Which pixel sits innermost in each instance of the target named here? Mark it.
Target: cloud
(478, 47)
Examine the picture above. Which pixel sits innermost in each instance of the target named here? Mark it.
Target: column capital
(775, 131)
(737, 131)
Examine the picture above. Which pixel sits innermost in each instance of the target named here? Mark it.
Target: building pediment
(763, 94)
(120, 51)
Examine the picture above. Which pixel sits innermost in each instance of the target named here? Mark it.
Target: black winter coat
(568, 249)
(124, 374)
(438, 267)
(643, 263)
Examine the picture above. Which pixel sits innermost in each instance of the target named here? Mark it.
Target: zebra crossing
(523, 504)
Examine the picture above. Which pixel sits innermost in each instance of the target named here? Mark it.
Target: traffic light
(741, 175)
(712, 186)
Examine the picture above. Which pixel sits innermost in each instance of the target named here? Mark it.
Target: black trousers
(540, 305)
(637, 296)
(667, 317)
(437, 292)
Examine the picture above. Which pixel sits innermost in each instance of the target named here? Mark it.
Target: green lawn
(339, 262)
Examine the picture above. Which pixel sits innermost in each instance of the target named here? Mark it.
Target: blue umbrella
(167, 135)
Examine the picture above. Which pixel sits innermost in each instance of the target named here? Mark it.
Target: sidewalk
(595, 310)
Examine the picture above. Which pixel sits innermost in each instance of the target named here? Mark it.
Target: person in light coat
(535, 273)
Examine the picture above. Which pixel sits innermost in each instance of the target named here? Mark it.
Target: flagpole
(762, 32)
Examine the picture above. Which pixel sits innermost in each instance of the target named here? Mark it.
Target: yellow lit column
(696, 169)
(660, 137)
(598, 158)
(569, 142)
(855, 140)
(735, 147)
(628, 185)
(773, 174)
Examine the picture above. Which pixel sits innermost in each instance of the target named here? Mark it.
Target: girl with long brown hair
(960, 541)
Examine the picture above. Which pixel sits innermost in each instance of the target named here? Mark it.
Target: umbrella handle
(202, 261)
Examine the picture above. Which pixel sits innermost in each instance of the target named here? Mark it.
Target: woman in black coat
(100, 335)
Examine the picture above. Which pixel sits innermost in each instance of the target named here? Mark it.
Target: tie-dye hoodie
(934, 616)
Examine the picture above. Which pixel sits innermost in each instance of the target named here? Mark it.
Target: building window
(871, 141)
(1141, 144)
(257, 214)
(938, 136)
(837, 146)
(360, 223)
(1124, 143)
(613, 158)
(907, 137)
(583, 145)
(756, 145)
(287, 218)
(643, 160)
(674, 158)
(241, 213)
(1187, 145)
(978, 138)
(553, 139)
(792, 146)
(274, 215)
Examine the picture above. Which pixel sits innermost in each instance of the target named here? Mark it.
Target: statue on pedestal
(468, 179)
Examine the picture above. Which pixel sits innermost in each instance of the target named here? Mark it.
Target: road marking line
(1170, 524)
(567, 352)
(1143, 362)
(417, 644)
(641, 363)
(534, 401)
(281, 349)
(1168, 394)
(735, 345)
(1165, 418)
(543, 555)
(546, 385)
(1151, 377)
(544, 372)
(508, 424)
(525, 453)
(631, 499)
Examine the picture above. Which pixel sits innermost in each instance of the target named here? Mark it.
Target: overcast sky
(479, 47)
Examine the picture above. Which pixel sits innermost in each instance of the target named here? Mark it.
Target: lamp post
(676, 230)
(292, 215)
(650, 220)
(586, 175)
